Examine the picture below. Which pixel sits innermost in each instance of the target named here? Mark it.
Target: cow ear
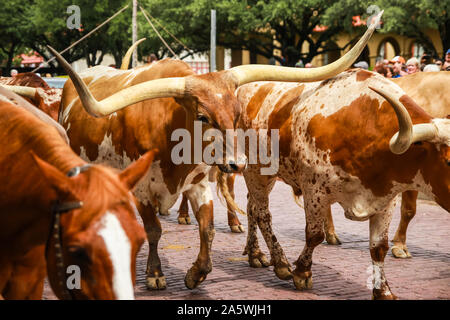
(57, 180)
(137, 170)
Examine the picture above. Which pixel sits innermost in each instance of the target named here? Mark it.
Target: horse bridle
(55, 233)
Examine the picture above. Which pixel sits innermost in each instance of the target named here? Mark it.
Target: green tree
(50, 21)
(412, 17)
(14, 33)
(254, 25)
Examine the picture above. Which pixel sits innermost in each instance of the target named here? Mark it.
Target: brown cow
(85, 219)
(334, 146)
(35, 90)
(428, 90)
(181, 98)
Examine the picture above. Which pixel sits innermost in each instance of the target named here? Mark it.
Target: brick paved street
(339, 272)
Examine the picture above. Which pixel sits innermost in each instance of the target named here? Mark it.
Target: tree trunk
(10, 56)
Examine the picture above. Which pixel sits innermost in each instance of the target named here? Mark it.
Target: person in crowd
(385, 70)
(412, 65)
(446, 66)
(272, 61)
(447, 56)
(299, 64)
(362, 64)
(424, 60)
(438, 62)
(431, 68)
(309, 65)
(14, 72)
(152, 58)
(398, 66)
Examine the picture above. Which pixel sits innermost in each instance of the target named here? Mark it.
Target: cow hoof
(259, 261)
(400, 252)
(184, 220)
(333, 239)
(237, 229)
(164, 213)
(191, 282)
(388, 295)
(303, 282)
(283, 273)
(156, 283)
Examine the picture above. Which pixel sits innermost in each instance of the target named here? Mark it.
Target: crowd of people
(398, 67)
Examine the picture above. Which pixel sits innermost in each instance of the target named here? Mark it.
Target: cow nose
(237, 167)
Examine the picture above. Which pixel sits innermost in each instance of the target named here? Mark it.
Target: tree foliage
(241, 24)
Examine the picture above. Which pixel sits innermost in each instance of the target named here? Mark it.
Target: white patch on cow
(134, 72)
(378, 278)
(119, 248)
(114, 114)
(99, 72)
(3, 98)
(219, 95)
(66, 112)
(51, 96)
(443, 129)
(199, 193)
(107, 155)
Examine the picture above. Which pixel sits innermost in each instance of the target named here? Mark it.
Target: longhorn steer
(429, 91)
(35, 90)
(51, 220)
(128, 132)
(334, 147)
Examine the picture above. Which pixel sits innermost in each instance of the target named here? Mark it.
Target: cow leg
(183, 211)
(200, 197)
(259, 188)
(330, 233)
(409, 201)
(379, 228)
(155, 277)
(315, 213)
(233, 221)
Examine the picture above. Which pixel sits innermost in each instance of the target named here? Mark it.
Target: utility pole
(134, 59)
(212, 59)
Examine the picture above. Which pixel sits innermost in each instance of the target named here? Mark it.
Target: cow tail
(224, 194)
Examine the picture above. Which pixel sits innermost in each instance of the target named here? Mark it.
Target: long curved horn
(249, 73)
(159, 88)
(126, 58)
(27, 92)
(400, 141)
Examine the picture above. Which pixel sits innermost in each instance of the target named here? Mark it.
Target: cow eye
(79, 254)
(202, 118)
(418, 143)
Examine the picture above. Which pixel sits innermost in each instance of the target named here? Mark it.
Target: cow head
(210, 97)
(433, 141)
(92, 249)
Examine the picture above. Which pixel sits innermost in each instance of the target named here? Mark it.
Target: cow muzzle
(234, 166)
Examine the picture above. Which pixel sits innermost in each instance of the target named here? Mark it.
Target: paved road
(339, 272)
